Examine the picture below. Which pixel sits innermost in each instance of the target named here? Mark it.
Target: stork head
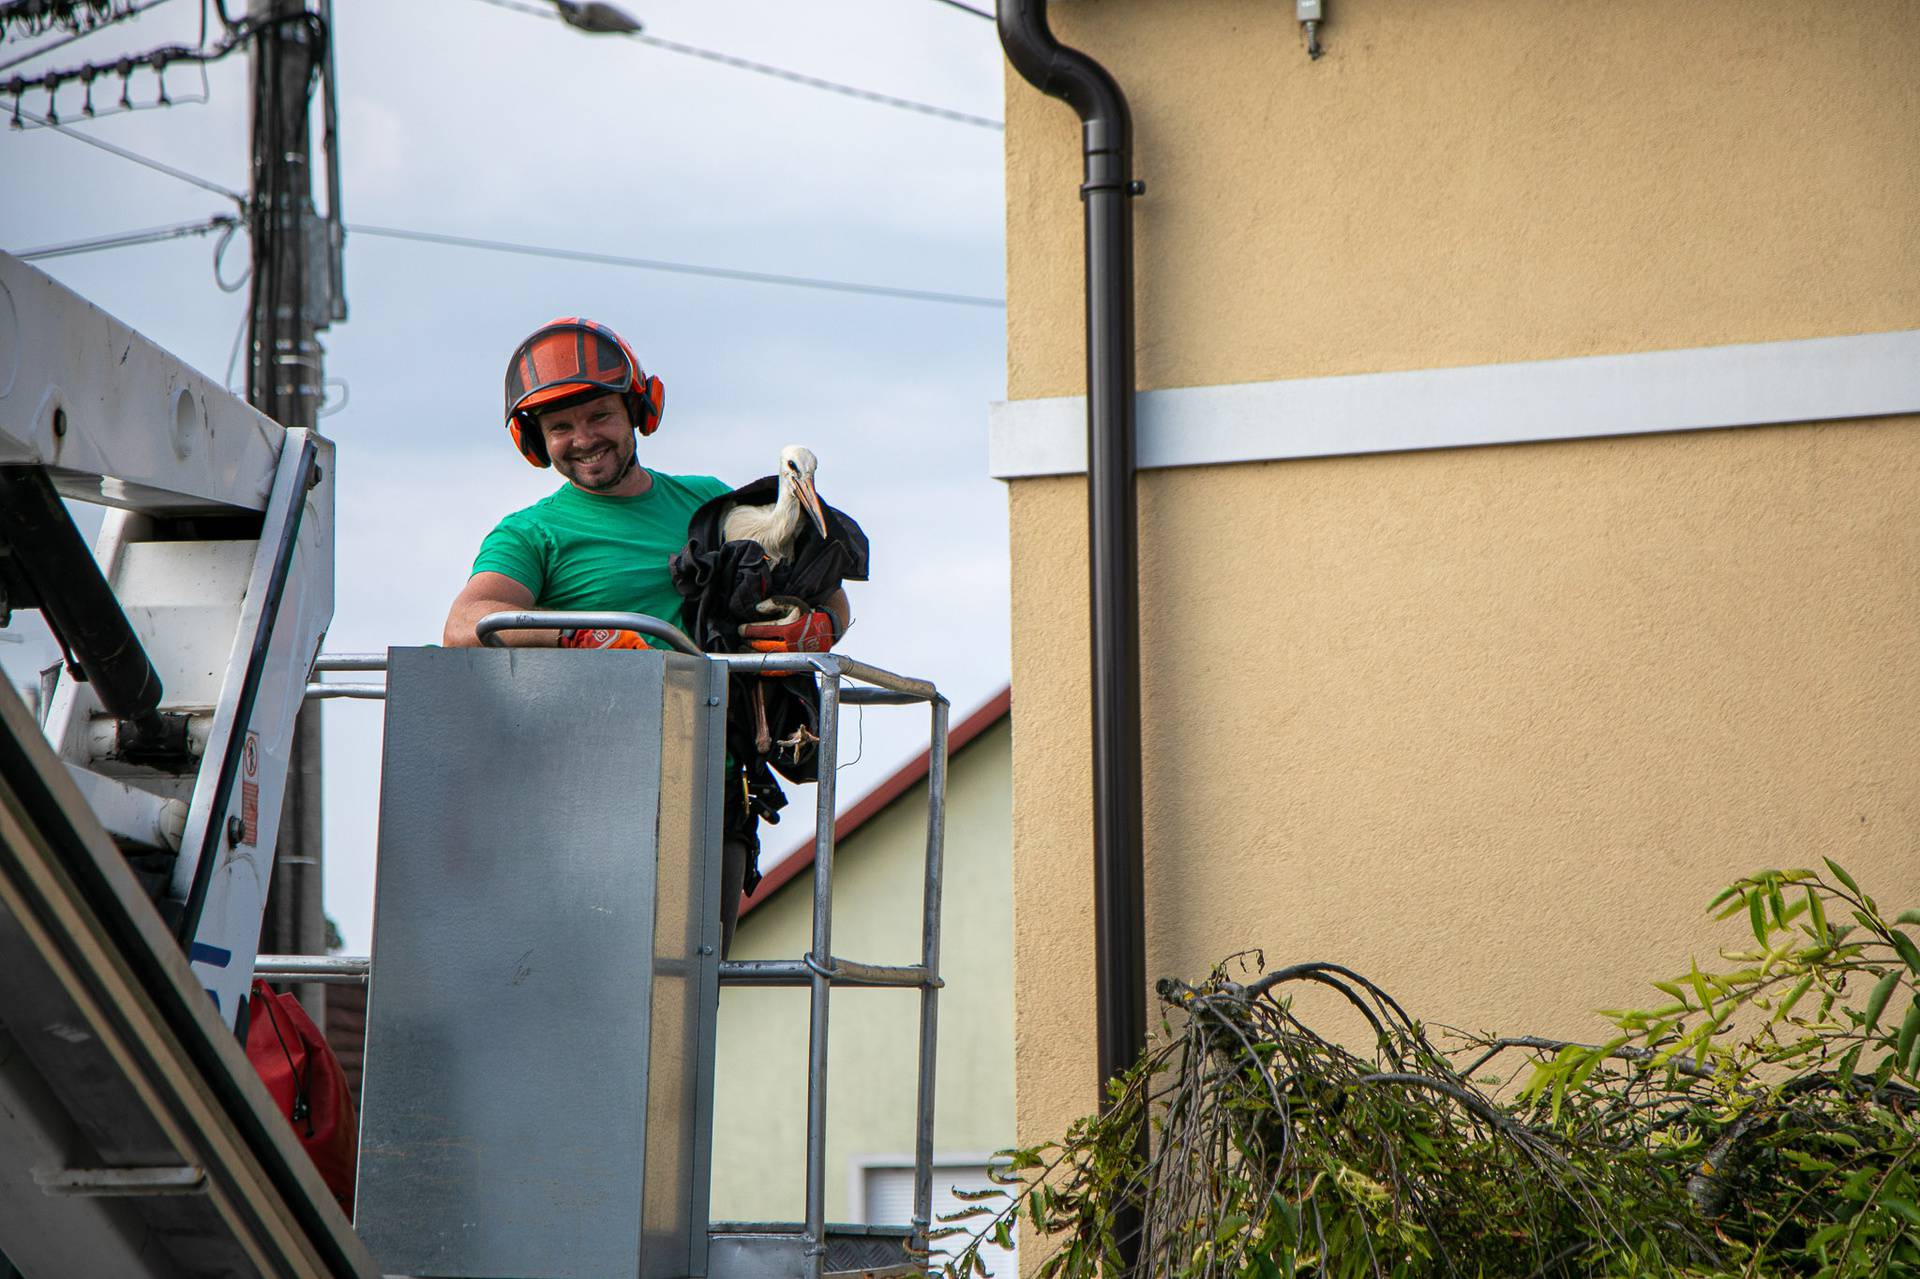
(797, 465)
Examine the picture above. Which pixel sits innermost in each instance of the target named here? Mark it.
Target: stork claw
(801, 738)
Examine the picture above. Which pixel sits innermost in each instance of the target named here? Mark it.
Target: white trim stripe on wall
(1697, 389)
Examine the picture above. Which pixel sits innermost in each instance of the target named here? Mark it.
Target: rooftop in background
(874, 801)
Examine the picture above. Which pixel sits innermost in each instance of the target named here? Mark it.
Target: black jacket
(723, 584)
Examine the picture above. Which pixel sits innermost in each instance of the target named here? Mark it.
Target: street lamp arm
(597, 17)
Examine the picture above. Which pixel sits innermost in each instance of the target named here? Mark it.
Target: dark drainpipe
(1107, 192)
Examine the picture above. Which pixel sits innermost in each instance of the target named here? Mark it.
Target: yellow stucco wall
(760, 1111)
(1474, 181)
(1489, 724)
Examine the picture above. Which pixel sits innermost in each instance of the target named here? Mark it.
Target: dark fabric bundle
(724, 583)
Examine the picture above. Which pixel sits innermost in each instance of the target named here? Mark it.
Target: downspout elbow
(1080, 82)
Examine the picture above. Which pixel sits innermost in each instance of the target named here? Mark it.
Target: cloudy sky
(469, 118)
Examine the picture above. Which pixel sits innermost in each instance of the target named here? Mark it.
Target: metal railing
(320, 970)
(842, 681)
(348, 662)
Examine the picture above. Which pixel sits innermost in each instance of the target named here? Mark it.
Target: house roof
(870, 805)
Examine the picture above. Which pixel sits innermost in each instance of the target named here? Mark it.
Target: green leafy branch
(1760, 1122)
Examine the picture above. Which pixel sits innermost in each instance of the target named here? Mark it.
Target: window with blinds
(888, 1200)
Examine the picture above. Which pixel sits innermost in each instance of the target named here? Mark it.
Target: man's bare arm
(487, 593)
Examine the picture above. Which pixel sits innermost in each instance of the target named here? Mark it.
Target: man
(577, 399)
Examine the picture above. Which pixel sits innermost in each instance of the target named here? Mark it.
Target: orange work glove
(803, 631)
(601, 639)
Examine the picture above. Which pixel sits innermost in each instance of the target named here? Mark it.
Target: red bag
(306, 1082)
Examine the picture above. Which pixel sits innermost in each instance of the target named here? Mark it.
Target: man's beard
(632, 459)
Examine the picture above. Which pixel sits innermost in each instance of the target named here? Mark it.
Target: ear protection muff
(646, 403)
(528, 439)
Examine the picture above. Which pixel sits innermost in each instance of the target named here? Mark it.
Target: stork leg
(762, 735)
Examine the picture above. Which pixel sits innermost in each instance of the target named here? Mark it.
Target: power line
(156, 165)
(781, 73)
(814, 82)
(966, 8)
(159, 59)
(125, 239)
(676, 268)
(542, 251)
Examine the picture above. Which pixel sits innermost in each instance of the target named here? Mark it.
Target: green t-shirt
(584, 552)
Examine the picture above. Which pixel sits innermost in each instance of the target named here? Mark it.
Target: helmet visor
(563, 360)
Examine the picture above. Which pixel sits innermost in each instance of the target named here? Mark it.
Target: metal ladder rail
(819, 970)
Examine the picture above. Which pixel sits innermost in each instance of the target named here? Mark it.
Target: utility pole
(295, 294)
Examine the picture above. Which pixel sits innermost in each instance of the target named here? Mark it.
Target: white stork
(777, 526)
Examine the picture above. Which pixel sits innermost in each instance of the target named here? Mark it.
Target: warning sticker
(250, 791)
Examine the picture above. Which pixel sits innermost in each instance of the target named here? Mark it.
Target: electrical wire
(676, 268)
(966, 8)
(133, 11)
(233, 353)
(220, 255)
(564, 255)
(815, 82)
(156, 165)
(346, 397)
(159, 59)
(150, 235)
(860, 748)
(779, 73)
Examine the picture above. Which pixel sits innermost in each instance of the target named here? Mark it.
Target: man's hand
(802, 631)
(600, 638)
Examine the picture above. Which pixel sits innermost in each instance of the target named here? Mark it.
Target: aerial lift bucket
(540, 1030)
(538, 1090)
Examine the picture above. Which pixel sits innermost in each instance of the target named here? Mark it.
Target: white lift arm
(219, 553)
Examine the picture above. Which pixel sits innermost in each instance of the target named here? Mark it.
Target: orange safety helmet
(574, 359)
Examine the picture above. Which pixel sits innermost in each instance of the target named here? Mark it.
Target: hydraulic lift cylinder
(75, 597)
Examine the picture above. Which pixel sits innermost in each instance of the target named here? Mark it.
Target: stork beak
(803, 485)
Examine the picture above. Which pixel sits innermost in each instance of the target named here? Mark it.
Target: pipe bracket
(1126, 186)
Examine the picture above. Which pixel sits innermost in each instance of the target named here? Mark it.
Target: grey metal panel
(540, 1015)
(1699, 388)
(759, 1253)
(778, 1250)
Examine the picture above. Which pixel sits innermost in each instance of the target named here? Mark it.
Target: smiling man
(578, 400)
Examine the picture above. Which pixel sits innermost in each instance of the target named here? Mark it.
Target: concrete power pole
(295, 295)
